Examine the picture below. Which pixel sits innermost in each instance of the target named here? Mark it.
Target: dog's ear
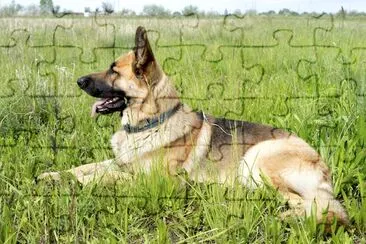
(143, 53)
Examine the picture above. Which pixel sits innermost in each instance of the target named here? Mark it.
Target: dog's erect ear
(143, 53)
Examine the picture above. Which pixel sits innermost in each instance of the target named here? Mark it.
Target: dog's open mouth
(109, 105)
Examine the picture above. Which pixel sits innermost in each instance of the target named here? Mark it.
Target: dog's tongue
(95, 105)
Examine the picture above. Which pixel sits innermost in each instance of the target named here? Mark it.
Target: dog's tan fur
(208, 149)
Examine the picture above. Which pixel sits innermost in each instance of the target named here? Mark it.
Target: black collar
(152, 122)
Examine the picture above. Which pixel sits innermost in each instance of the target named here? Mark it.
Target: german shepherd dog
(206, 148)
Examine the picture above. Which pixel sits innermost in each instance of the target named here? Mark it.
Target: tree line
(46, 7)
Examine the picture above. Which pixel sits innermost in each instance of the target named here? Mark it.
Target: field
(304, 74)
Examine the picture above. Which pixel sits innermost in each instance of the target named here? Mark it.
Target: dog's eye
(112, 65)
(111, 71)
(138, 73)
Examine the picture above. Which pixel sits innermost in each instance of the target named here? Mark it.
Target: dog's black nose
(83, 81)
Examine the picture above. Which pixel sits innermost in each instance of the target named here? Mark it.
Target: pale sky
(212, 5)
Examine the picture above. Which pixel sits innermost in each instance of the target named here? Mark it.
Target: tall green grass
(303, 74)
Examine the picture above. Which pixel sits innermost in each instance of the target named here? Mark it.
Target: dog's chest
(168, 144)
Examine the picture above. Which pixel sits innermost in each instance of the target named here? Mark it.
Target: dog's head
(130, 77)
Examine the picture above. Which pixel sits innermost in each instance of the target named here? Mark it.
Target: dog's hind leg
(105, 172)
(292, 166)
(296, 204)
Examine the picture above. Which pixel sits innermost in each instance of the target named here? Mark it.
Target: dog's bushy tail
(314, 185)
(327, 208)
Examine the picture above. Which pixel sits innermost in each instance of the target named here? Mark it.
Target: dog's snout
(83, 81)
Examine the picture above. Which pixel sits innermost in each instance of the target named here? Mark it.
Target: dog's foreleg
(105, 172)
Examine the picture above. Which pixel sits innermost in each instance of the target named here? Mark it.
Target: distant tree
(342, 13)
(32, 10)
(125, 11)
(176, 13)
(212, 13)
(355, 13)
(128, 12)
(284, 11)
(237, 12)
(11, 10)
(107, 7)
(87, 10)
(314, 13)
(270, 12)
(155, 10)
(201, 13)
(189, 10)
(46, 6)
(251, 12)
(56, 9)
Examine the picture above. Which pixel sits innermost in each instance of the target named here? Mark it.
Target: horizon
(299, 6)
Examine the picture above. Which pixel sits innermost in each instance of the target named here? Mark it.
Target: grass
(283, 71)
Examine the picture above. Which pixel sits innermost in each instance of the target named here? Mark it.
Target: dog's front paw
(50, 176)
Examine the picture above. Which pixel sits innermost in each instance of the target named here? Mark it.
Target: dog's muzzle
(112, 100)
(83, 82)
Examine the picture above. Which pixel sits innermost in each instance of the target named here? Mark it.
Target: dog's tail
(314, 185)
(327, 208)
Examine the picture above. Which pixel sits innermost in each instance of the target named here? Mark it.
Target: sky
(330, 6)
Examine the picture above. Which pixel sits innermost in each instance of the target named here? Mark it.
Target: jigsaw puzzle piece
(173, 37)
(44, 36)
(40, 35)
(161, 36)
(313, 119)
(77, 36)
(106, 209)
(9, 89)
(212, 37)
(262, 81)
(325, 70)
(357, 69)
(233, 106)
(292, 114)
(191, 56)
(194, 32)
(75, 147)
(229, 89)
(37, 35)
(280, 107)
(9, 37)
(315, 30)
(13, 137)
(168, 42)
(19, 76)
(325, 123)
(31, 123)
(361, 124)
(310, 34)
(182, 76)
(244, 29)
(66, 67)
(323, 30)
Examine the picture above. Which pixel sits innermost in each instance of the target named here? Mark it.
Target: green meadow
(304, 74)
